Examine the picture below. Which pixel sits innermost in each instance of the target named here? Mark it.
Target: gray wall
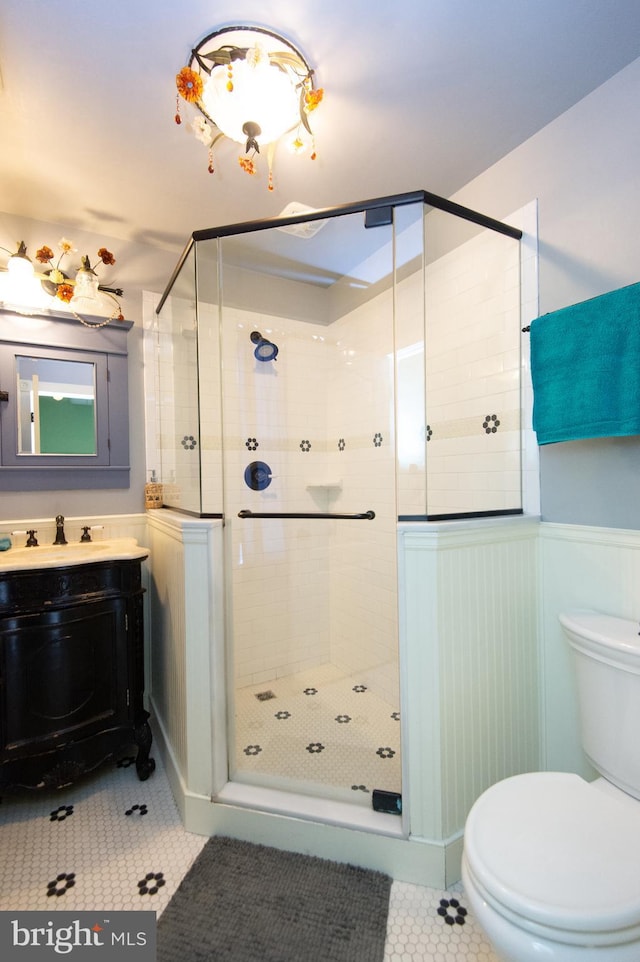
(584, 170)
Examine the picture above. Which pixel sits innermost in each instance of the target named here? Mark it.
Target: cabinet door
(65, 676)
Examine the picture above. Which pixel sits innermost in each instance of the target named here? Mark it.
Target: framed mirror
(64, 413)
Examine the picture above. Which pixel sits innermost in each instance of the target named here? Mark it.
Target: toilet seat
(557, 857)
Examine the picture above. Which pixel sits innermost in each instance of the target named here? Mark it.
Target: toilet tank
(606, 654)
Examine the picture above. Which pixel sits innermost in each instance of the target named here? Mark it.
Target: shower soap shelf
(325, 484)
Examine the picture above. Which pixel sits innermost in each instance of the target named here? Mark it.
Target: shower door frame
(386, 243)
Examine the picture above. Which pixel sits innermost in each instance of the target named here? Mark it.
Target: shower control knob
(258, 476)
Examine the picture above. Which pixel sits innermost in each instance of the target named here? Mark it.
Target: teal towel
(5, 544)
(585, 369)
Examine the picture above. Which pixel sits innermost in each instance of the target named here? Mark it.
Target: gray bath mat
(248, 903)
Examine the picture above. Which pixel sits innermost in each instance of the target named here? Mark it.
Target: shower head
(265, 350)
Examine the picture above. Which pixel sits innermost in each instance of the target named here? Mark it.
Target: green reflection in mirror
(56, 406)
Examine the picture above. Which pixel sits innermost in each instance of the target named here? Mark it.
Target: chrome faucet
(60, 538)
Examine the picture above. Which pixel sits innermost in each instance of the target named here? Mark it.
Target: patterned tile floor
(318, 728)
(112, 842)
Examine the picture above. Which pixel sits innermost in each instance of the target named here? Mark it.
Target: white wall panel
(187, 663)
(471, 707)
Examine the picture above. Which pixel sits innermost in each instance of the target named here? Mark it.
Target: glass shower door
(307, 335)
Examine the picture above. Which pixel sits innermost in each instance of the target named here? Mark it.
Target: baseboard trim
(416, 860)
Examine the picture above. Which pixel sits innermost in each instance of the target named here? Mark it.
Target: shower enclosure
(322, 377)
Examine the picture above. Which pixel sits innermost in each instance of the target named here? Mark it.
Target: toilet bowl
(551, 862)
(551, 869)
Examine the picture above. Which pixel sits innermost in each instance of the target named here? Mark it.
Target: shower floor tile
(318, 730)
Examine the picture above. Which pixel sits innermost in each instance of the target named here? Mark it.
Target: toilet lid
(558, 852)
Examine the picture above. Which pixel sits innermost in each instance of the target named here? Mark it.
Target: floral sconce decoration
(253, 87)
(31, 288)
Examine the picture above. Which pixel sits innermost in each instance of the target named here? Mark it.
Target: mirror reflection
(56, 406)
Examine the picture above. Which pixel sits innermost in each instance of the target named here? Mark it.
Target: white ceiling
(418, 94)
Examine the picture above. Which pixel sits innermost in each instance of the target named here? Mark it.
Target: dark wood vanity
(71, 672)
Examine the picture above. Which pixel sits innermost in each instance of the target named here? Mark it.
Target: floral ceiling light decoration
(253, 87)
(29, 289)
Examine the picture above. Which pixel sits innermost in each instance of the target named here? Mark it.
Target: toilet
(551, 863)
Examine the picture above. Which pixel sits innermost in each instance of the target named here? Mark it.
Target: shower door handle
(365, 516)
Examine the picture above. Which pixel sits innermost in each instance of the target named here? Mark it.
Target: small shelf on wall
(324, 485)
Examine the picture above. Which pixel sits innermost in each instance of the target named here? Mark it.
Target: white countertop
(78, 553)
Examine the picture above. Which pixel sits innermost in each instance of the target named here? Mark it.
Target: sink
(79, 553)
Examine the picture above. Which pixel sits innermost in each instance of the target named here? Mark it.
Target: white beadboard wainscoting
(102, 527)
(469, 679)
(470, 664)
(186, 672)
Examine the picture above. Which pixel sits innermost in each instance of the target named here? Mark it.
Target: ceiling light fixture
(253, 87)
(29, 291)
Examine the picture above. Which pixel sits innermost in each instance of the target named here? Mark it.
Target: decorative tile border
(482, 423)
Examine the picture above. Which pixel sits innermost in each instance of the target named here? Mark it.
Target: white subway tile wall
(274, 412)
(178, 404)
(473, 377)
(363, 625)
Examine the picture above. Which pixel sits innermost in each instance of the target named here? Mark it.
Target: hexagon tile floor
(319, 727)
(113, 842)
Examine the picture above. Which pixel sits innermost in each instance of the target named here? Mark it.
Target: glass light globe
(262, 94)
(20, 288)
(86, 299)
(86, 285)
(20, 268)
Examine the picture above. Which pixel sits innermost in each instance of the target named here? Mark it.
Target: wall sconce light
(253, 87)
(19, 286)
(29, 291)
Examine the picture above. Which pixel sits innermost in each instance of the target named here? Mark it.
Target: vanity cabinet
(71, 672)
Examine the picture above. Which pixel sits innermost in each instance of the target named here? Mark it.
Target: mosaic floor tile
(115, 831)
(424, 926)
(112, 842)
(319, 727)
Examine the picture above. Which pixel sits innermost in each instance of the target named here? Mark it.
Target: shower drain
(265, 695)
